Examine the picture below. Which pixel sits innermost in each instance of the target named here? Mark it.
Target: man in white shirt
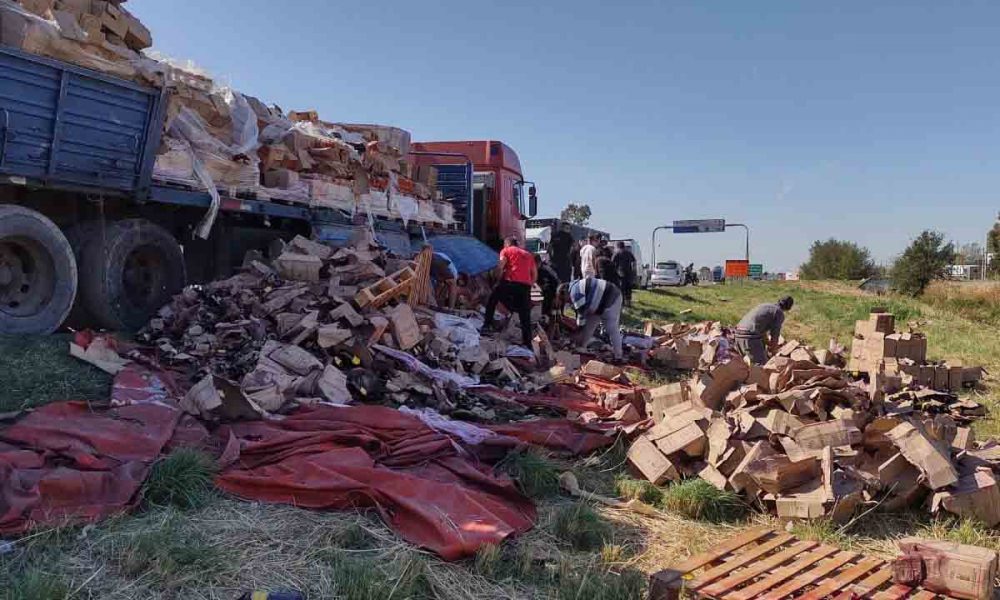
(588, 257)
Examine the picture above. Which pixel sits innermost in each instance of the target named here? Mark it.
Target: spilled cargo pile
(220, 141)
(803, 438)
(319, 378)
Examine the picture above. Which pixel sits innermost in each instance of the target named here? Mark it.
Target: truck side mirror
(532, 201)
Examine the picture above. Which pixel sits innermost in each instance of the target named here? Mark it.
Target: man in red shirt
(518, 273)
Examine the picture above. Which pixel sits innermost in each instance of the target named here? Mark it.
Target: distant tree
(837, 259)
(993, 247)
(969, 254)
(925, 260)
(578, 214)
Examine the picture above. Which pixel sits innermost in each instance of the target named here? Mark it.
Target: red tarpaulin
(371, 456)
(559, 435)
(64, 464)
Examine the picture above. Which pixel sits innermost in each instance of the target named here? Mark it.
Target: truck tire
(131, 271)
(38, 274)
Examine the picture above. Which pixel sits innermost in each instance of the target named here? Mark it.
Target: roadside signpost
(700, 226)
(756, 271)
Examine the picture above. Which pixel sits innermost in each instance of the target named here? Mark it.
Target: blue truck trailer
(88, 238)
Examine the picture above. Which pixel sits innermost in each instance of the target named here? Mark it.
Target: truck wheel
(38, 276)
(132, 270)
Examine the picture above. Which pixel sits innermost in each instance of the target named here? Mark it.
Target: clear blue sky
(866, 121)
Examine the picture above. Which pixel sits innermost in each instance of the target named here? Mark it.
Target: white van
(641, 269)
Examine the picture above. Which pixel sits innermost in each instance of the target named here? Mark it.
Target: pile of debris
(324, 325)
(804, 439)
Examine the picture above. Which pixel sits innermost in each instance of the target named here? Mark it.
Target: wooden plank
(700, 560)
(896, 592)
(738, 561)
(720, 587)
(844, 579)
(809, 577)
(811, 558)
(873, 581)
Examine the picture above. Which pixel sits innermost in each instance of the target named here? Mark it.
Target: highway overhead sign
(700, 226)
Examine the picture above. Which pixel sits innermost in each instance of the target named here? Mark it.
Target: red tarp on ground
(65, 464)
(372, 456)
(558, 435)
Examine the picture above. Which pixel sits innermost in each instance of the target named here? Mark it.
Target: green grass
(37, 370)
(581, 527)
(362, 579)
(597, 582)
(535, 475)
(697, 499)
(36, 585)
(182, 480)
(164, 552)
(638, 489)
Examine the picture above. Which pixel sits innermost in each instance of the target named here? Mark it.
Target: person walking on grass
(766, 319)
(517, 275)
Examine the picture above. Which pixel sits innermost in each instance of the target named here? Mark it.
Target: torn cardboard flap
(924, 455)
(214, 398)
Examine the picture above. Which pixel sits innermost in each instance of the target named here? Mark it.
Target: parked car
(641, 269)
(668, 273)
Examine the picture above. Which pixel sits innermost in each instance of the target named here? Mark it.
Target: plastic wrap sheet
(374, 202)
(344, 458)
(324, 194)
(446, 212)
(65, 464)
(219, 163)
(427, 214)
(403, 207)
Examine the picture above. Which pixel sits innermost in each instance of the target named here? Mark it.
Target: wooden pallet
(420, 291)
(388, 288)
(763, 564)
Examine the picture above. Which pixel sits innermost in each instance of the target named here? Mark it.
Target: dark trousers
(517, 298)
(626, 287)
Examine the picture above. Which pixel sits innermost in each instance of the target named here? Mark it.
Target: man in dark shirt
(574, 260)
(624, 262)
(548, 282)
(560, 248)
(766, 319)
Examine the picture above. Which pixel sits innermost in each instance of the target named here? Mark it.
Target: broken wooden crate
(386, 289)
(763, 564)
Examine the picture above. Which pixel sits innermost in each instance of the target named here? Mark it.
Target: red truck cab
(500, 204)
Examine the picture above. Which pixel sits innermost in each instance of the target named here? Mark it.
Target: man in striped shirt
(595, 301)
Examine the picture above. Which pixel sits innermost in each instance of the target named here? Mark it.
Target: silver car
(668, 273)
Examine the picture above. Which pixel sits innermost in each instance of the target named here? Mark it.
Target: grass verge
(37, 370)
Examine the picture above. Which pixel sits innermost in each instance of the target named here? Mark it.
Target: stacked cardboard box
(95, 34)
(878, 348)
